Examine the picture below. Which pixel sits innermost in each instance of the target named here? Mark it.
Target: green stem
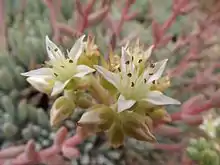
(98, 92)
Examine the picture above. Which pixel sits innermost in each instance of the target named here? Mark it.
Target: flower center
(63, 69)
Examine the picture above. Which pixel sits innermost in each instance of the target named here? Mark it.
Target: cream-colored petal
(77, 49)
(54, 53)
(83, 70)
(58, 88)
(90, 117)
(41, 84)
(158, 98)
(124, 104)
(148, 52)
(41, 72)
(158, 71)
(111, 77)
(124, 59)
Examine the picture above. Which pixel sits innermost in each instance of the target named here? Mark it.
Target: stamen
(48, 48)
(129, 74)
(70, 61)
(152, 65)
(62, 66)
(119, 69)
(139, 61)
(132, 58)
(154, 81)
(55, 74)
(151, 74)
(55, 49)
(127, 62)
(145, 80)
(132, 84)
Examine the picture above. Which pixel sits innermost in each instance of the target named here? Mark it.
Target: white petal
(52, 50)
(124, 104)
(159, 69)
(111, 77)
(58, 88)
(83, 70)
(77, 49)
(158, 98)
(124, 58)
(90, 117)
(38, 72)
(148, 52)
(40, 84)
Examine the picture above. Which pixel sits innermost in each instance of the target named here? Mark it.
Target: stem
(98, 92)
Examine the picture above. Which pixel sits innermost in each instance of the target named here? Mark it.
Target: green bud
(202, 144)
(209, 157)
(116, 135)
(84, 100)
(61, 110)
(137, 126)
(193, 153)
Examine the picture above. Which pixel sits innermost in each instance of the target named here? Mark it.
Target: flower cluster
(124, 97)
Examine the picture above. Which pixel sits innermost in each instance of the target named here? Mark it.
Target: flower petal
(148, 52)
(111, 77)
(53, 51)
(124, 58)
(83, 70)
(58, 88)
(158, 98)
(90, 117)
(158, 71)
(41, 84)
(124, 104)
(38, 72)
(77, 49)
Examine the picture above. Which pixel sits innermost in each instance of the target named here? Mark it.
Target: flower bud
(61, 109)
(193, 153)
(209, 157)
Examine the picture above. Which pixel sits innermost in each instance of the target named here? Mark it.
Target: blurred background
(185, 31)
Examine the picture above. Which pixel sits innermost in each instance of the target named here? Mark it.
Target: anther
(127, 62)
(55, 74)
(139, 61)
(129, 74)
(152, 65)
(154, 81)
(132, 58)
(55, 49)
(151, 74)
(145, 80)
(119, 69)
(70, 61)
(62, 66)
(132, 84)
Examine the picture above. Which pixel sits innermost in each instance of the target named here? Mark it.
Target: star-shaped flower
(134, 86)
(60, 69)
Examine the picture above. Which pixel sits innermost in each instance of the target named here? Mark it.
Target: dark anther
(150, 74)
(55, 49)
(139, 61)
(154, 81)
(119, 69)
(145, 80)
(48, 48)
(132, 58)
(70, 61)
(129, 74)
(55, 74)
(132, 84)
(174, 38)
(152, 65)
(62, 66)
(127, 62)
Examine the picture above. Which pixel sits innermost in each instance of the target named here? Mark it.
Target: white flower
(134, 86)
(209, 125)
(61, 69)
